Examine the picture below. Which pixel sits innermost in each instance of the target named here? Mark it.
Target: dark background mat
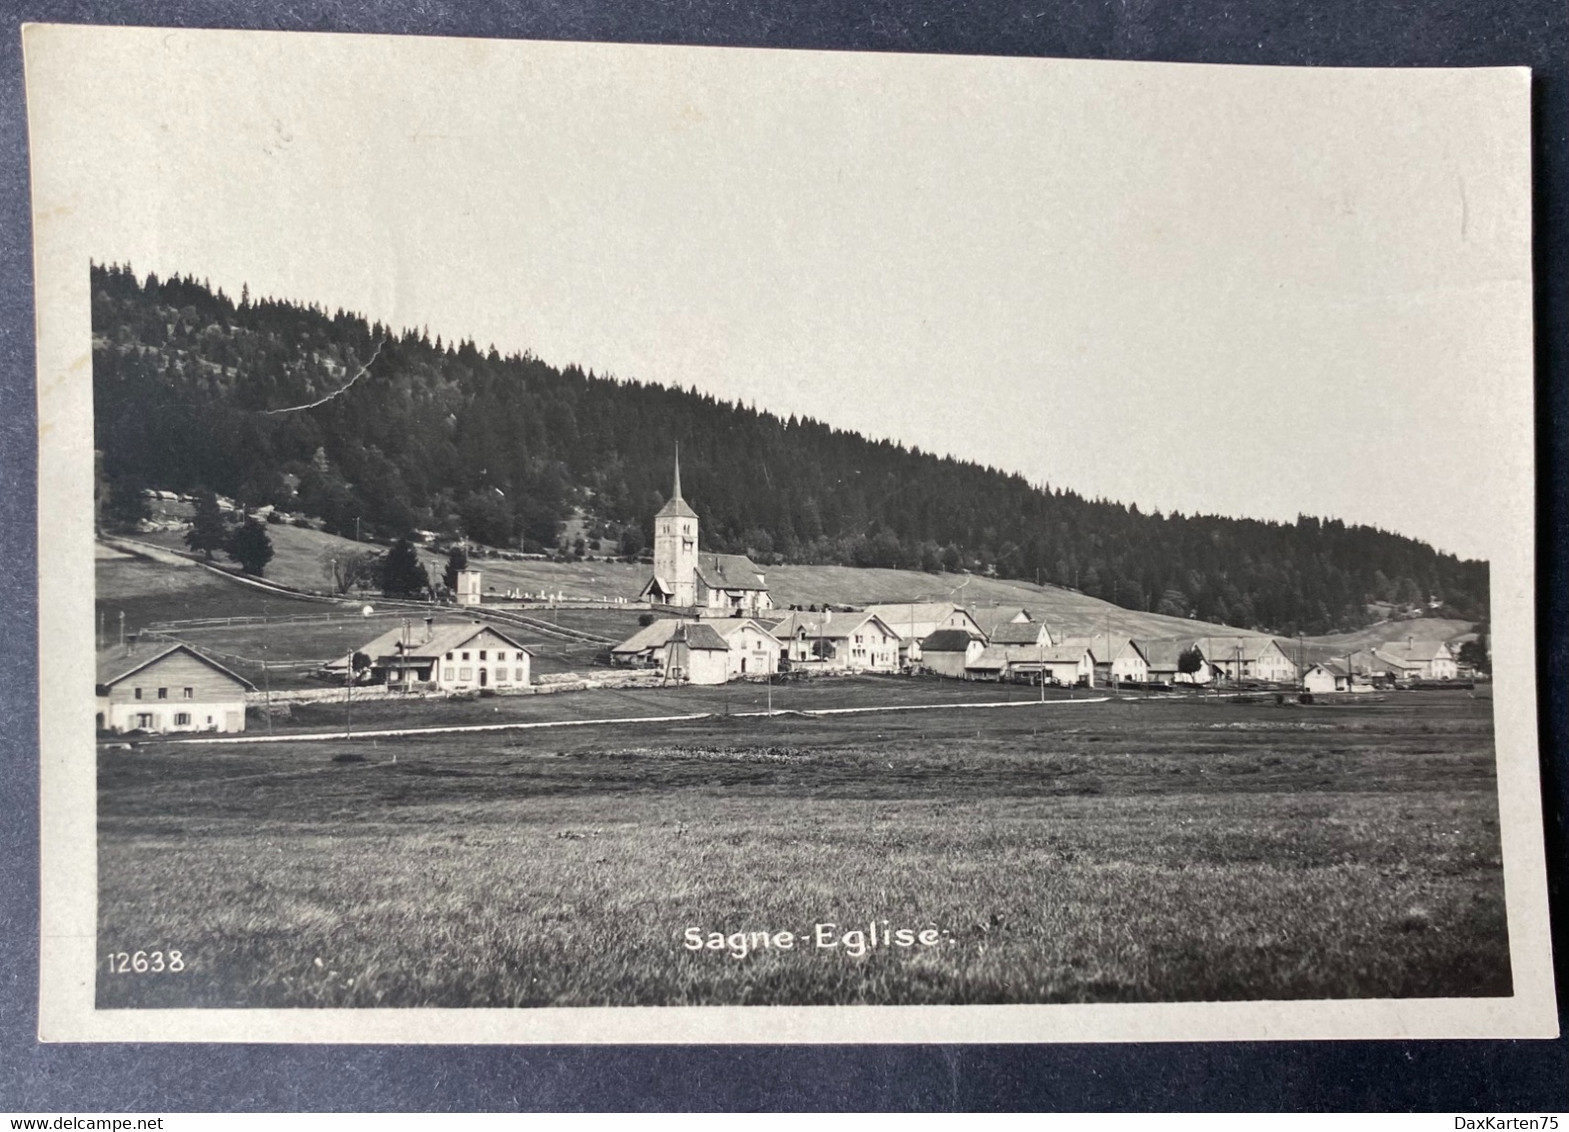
(1463, 1076)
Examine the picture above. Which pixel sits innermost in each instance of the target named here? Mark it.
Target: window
(136, 693)
(465, 673)
(446, 673)
(465, 656)
(187, 693)
(182, 719)
(482, 654)
(163, 693)
(449, 656)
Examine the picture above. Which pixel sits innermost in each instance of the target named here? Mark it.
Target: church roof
(729, 572)
(677, 507)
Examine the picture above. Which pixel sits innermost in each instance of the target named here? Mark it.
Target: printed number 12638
(144, 962)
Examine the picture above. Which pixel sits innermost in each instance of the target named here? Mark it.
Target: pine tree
(457, 562)
(207, 533)
(401, 574)
(251, 547)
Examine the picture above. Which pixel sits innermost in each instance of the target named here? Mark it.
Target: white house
(750, 649)
(1030, 633)
(1163, 658)
(710, 585)
(449, 657)
(753, 650)
(176, 689)
(1249, 658)
(1116, 658)
(917, 620)
(1432, 660)
(683, 650)
(857, 641)
(1068, 665)
(1327, 676)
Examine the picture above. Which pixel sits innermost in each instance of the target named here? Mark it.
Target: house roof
(1001, 656)
(444, 638)
(698, 635)
(988, 617)
(949, 640)
(1164, 653)
(729, 572)
(727, 627)
(1392, 659)
(1420, 652)
(114, 666)
(1231, 649)
(1104, 650)
(833, 626)
(901, 614)
(1064, 654)
(1017, 633)
(991, 658)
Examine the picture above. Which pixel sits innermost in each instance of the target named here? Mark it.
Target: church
(687, 579)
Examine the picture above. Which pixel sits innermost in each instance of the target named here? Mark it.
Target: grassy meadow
(1163, 849)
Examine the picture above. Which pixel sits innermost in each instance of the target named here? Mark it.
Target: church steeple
(676, 505)
(675, 546)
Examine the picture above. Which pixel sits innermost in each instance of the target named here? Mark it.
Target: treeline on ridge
(193, 389)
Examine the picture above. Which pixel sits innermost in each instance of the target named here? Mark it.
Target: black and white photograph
(582, 542)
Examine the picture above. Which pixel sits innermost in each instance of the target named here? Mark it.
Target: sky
(1246, 291)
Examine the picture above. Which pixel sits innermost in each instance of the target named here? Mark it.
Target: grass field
(1151, 850)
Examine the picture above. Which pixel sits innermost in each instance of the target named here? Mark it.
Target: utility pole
(266, 673)
(348, 697)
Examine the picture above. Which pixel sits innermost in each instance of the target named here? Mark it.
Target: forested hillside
(282, 403)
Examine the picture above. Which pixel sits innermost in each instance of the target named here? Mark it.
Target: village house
(1010, 662)
(917, 620)
(753, 650)
(1163, 658)
(176, 689)
(750, 649)
(1331, 675)
(683, 651)
(990, 617)
(1068, 666)
(1432, 660)
(449, 657)
(1033, 634)
(1119, 659)
(950, 652)
(1249, 658)
(706, 584)
(853, 642)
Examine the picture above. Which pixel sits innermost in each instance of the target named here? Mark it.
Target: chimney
(429, 630)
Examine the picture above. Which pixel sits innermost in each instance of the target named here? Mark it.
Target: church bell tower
(675, 545)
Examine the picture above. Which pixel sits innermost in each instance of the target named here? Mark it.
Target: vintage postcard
(554, 542)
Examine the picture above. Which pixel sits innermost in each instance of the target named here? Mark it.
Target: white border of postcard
(67, 773)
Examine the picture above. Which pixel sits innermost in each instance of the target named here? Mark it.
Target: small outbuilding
(951, 652)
